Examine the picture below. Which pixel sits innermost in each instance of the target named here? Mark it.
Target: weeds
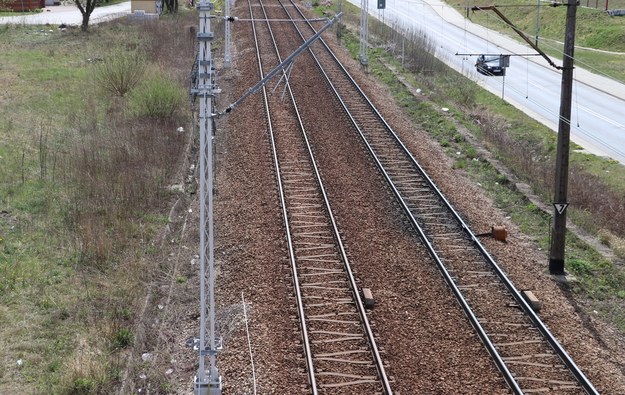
(79, 193)
(158, 98)
(82, 385)
(123, 338)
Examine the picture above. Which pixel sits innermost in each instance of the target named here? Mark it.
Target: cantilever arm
(282, 66)
(519, 32)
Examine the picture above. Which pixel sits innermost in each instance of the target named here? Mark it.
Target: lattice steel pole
(338, 26)
(364, 32)
(207, 381)
(227, 54)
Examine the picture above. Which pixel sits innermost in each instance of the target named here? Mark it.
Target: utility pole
(560, 202)
(207, 380)
(537, 22)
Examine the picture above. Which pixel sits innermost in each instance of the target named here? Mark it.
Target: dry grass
(533, 159)
(616, 243)
(119, 173)
(85, 192)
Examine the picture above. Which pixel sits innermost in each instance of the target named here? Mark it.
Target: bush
(122, 338)
(580, 266)
(82, 385)
(471, 152)
(157, 97)
(119, 73)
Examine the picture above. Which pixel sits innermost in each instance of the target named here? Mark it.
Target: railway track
(339, 347)
(527, 354)
(529, 357)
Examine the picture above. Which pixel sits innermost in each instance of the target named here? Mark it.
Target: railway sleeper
(359, 338)
(569, 384)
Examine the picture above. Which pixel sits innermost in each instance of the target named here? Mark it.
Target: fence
(606, 5)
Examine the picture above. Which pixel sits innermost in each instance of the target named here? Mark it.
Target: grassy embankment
(596, 36)
(84, 175)
(524, 146)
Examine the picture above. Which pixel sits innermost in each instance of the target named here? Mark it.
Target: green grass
(66, 315)
(15, 13)
(595, 29)
(157, 97)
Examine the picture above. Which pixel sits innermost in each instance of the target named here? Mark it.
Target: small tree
(171, 6)
(86, 7)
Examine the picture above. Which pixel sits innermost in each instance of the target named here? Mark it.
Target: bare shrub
(164, 45)
(117, 168)
(590, 193)
(413, 46)
(420, 52)
(533, 160)
(527, 158)
(120, 72)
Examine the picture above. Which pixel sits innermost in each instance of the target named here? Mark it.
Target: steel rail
(296, 285)
(377, 361)
(529, 312)
(377, 358)
(464, 304)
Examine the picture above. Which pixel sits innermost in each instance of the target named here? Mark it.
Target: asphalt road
(69, 15)
(530, 84)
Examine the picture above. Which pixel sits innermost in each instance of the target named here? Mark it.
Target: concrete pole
(560, 202)
(537, 22)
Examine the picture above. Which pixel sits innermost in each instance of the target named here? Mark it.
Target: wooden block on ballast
(368, 298)
(532, 300)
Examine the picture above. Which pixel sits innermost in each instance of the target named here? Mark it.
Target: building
(22, 5)
(148, 8)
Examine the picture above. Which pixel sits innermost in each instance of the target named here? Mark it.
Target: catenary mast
(208, 380)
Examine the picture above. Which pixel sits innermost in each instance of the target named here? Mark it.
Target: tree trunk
(85, 22)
